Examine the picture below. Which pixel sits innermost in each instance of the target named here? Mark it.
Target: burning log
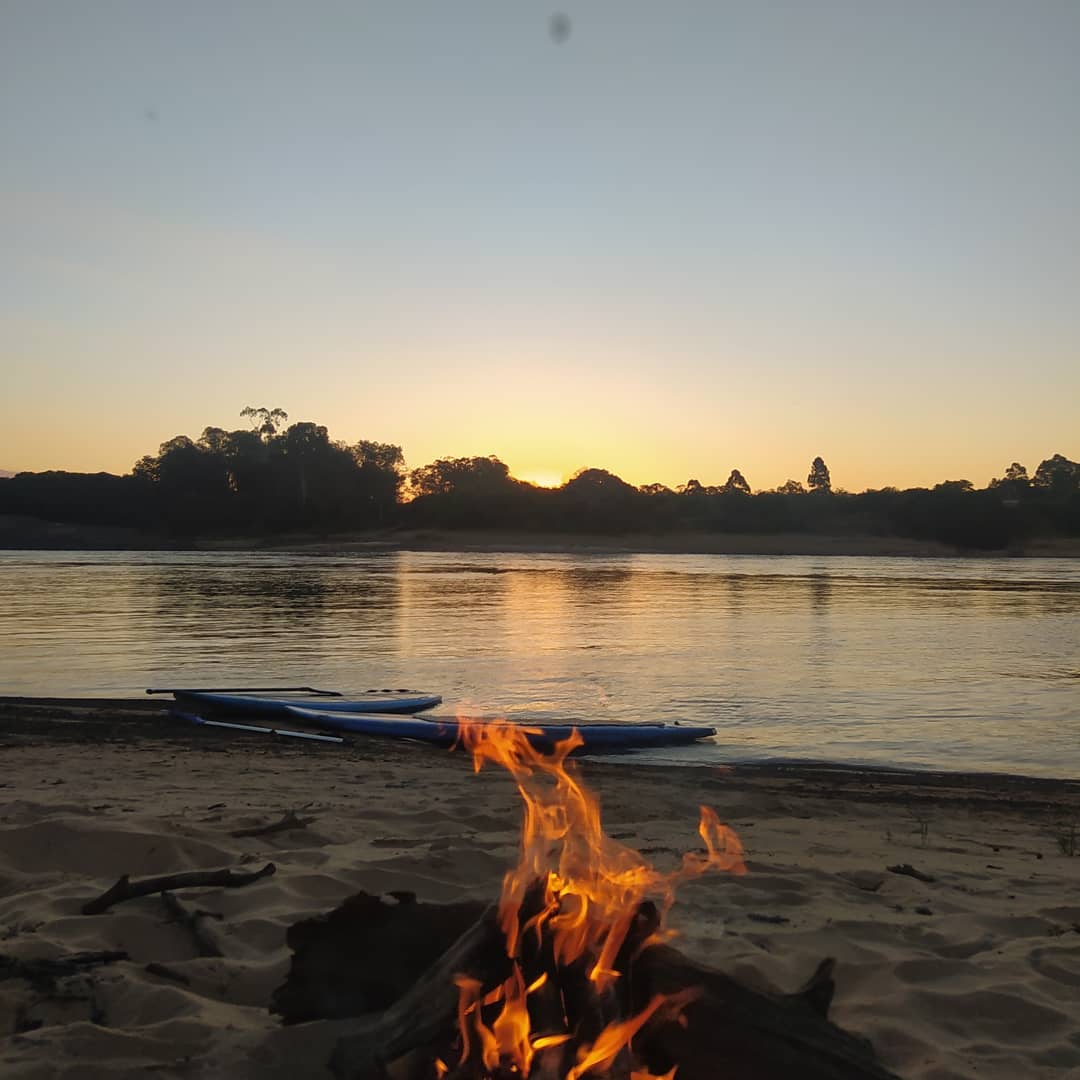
(756, 1035)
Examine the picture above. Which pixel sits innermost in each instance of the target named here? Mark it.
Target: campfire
(573, 913)
(570, 975)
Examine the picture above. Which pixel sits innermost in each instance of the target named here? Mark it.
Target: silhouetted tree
(266, 422)
(185, 469)
(1014, 483)
(736, 483)
(475, 475)
(307, 453)
(691, 487)
(598, 499)
(247, 459)
(146, 469)
(598, 482)
(655, 489)
(819, 481)
(382, 472)
(791, 487)
(1058, 475)
(379, 455)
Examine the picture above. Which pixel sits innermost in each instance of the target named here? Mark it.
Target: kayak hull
(199, 701)
(541, 736)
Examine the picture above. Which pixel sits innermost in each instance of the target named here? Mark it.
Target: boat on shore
(390, 714)
(446, 732)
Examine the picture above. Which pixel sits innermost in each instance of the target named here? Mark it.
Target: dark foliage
(819, 481)
(271, 479)
(241, 482)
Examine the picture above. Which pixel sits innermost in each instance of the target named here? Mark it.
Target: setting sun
(541, 478)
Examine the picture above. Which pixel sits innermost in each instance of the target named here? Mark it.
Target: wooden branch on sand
(288, 820)
(194, 922)
(126, 889)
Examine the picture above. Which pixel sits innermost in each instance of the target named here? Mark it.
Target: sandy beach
(975, 973)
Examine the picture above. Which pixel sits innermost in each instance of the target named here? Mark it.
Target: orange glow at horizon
(541, 478)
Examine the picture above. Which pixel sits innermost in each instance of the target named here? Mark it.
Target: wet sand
(973, 974)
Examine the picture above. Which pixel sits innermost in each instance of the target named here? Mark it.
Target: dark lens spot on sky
(559, 27)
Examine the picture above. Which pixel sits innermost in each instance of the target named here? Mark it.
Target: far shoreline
(31, 534)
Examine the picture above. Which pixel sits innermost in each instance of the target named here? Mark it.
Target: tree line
(273, 477)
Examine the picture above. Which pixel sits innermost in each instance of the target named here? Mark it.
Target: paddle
(194, 718)
(246, 690)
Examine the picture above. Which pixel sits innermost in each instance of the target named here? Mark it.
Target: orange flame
(592, 888)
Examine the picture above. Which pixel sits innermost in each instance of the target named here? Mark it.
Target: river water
(966, 664)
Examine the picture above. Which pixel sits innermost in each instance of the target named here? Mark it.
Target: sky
(687, 238)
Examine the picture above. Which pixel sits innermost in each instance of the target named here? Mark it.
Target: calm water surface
(958, 664)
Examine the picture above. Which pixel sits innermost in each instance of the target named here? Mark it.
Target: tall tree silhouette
(1058, 474)
(265, 421)
(819, 481)
(736, 482)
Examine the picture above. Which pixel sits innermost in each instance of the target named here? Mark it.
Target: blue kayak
(204, 701)
(541, 736)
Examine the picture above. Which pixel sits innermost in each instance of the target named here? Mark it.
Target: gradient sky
(691, 237)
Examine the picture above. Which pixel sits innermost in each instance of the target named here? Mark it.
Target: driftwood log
(126, 889)
(195, 922)
(391, 964)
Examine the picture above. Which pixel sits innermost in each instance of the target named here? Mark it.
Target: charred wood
(755, 1035)
(393, 965)
(365, 954)
(426, 1013)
